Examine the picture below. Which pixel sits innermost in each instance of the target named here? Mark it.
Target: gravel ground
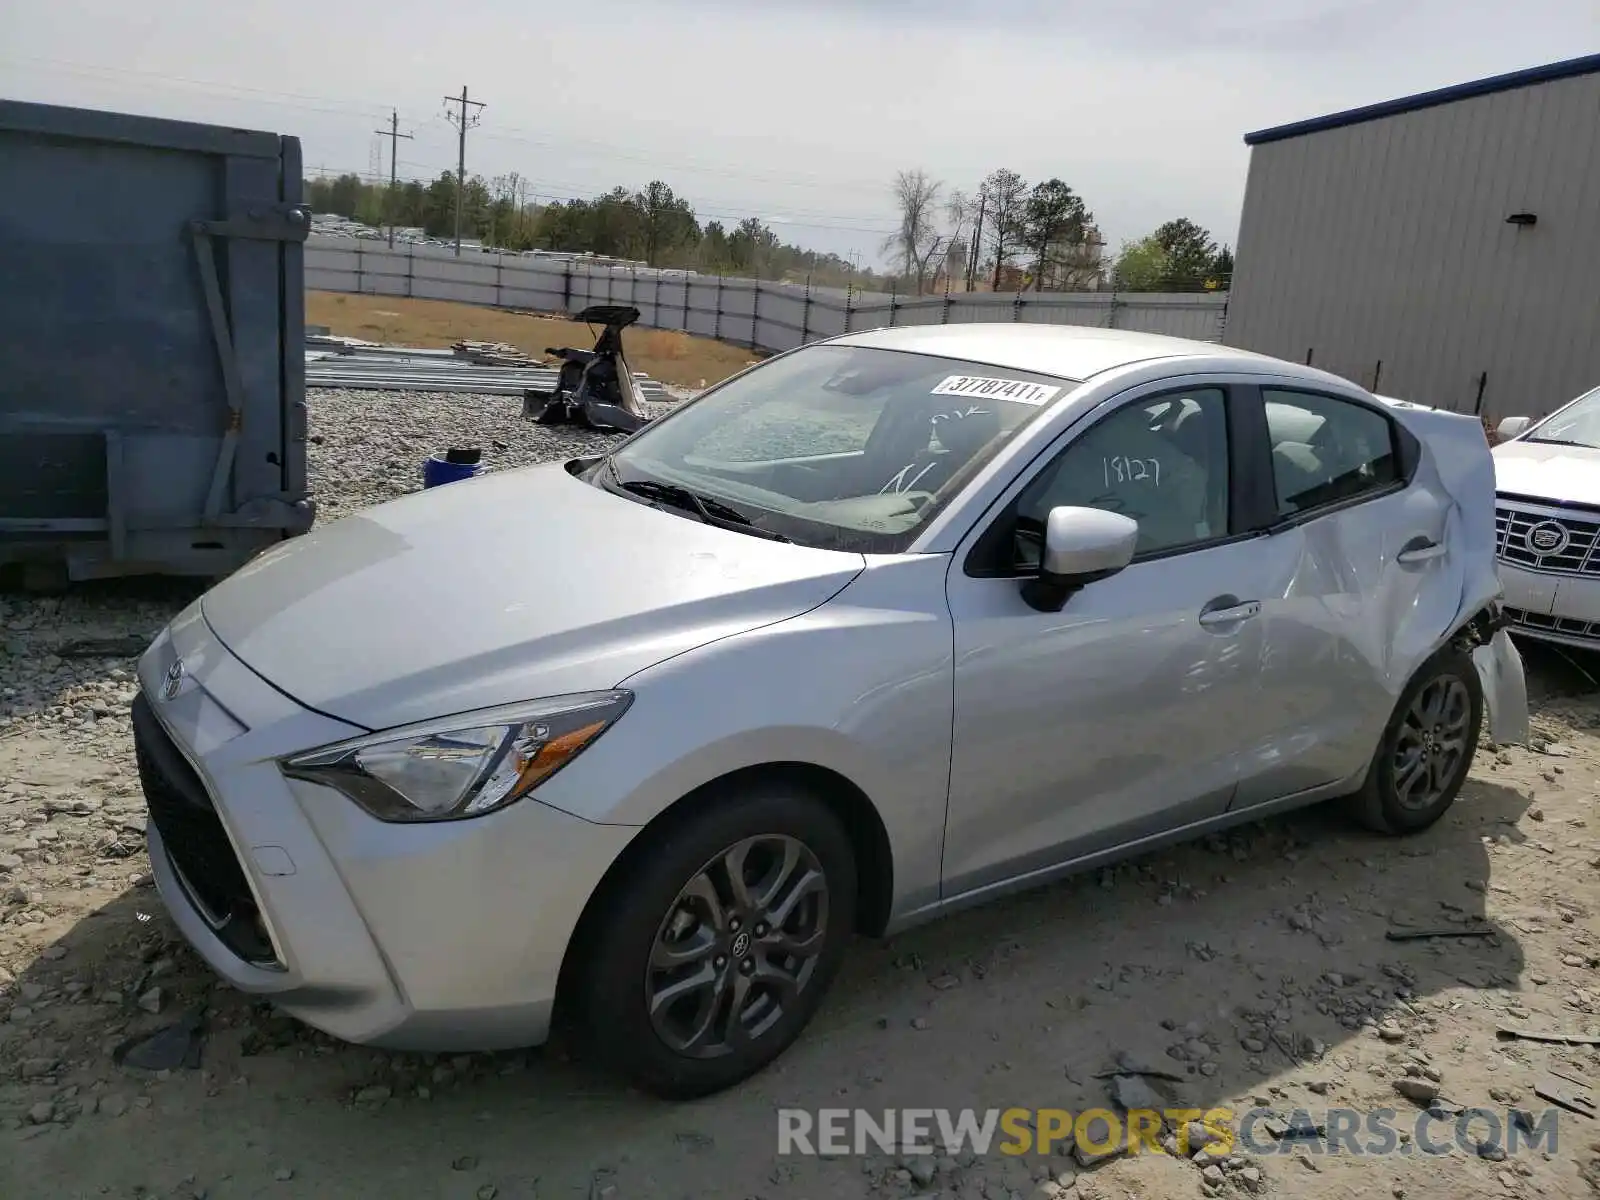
(1253, 967)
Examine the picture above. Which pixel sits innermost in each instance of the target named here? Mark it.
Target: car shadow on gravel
(1253, 964)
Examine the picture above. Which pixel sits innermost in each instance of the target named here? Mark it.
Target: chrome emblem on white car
(174, 680)
(1548, 537)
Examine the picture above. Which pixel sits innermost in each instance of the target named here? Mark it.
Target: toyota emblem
(1548, 537)
(174, 680)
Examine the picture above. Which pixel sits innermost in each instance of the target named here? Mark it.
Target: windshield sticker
(1017, 390)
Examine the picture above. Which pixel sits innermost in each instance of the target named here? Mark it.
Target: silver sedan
(886, 626)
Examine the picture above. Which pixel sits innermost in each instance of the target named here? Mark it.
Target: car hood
(1546, 471)
(512, 586)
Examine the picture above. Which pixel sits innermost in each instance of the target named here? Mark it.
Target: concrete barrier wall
(759, 314)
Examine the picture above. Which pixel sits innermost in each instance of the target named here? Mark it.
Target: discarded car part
(152, 406)
(451, 466)
(594, 388)
(688, 847)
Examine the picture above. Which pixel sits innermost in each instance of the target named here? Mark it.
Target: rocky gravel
(1248, 971)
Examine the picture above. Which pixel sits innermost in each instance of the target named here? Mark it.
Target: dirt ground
(1259, 959)
(664, 354)
(1253, 968)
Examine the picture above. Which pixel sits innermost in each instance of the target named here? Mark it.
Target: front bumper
(1551, 607)
(423, 937)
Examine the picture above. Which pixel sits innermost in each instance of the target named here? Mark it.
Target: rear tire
(1426, 749)
(696, 979)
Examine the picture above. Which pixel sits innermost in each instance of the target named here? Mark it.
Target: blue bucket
(451, 466)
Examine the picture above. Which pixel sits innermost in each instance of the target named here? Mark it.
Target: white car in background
(1547, 522)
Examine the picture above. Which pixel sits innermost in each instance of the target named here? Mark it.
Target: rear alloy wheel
(716, 950)
(1427, 747)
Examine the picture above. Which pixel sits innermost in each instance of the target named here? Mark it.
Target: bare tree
(1006, 196)
(918, 239)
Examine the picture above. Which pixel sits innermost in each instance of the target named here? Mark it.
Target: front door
(1125, 713)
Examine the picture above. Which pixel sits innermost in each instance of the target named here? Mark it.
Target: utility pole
(462, 122)
(394, 135)
(977, 241)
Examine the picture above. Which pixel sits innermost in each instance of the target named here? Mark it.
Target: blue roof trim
(1587, 65)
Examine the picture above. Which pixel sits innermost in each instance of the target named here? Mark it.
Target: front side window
(843, 447)
(1578, 425)
(1326, 450)
(1161, 460)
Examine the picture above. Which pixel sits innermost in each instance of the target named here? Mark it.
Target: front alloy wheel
(713, 943)
(738, 946)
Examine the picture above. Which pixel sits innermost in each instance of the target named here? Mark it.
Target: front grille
(195, 840)
(1552, 540)
(1521, 618)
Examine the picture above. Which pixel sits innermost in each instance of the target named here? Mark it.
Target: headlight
(462, 766)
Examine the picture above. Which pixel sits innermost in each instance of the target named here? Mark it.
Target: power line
(335, 107)
(340, 106)
(394, 135)
(462, 121)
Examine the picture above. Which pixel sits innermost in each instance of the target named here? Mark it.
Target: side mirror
(1511, 427)
(1081, 546)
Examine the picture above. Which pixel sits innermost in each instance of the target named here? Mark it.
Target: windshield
(841, 447)
(1577, 425)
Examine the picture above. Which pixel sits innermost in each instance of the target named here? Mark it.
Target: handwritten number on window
(1121, 469)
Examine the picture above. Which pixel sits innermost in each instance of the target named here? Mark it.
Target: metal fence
(756, 313)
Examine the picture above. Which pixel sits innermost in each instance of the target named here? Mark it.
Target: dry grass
(663, 354)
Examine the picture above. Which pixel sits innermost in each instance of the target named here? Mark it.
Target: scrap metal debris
(1579, 1099)
(1547, 1035)
(494, 354)
(1401, 933)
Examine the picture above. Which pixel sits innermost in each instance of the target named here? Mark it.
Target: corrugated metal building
(1443, 248)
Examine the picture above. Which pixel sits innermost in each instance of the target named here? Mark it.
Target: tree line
(1009, 235)
(1005, 235)
(654, 226)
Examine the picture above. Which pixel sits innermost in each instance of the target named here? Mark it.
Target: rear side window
(1327, 450)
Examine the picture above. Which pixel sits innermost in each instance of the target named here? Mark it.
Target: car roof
(1067, 351)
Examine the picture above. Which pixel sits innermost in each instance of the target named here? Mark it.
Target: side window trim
(1403, 448)
(1254, 500)
(977, 564)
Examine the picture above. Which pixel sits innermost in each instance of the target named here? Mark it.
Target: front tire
(714, 952)
(1426, 749)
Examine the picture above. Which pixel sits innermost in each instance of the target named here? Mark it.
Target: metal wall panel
(1381, 249)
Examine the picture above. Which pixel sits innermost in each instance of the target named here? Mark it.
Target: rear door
(1361, 544)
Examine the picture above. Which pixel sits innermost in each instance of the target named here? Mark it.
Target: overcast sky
(799, 112)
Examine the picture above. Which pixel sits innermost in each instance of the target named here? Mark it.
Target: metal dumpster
(152, 357)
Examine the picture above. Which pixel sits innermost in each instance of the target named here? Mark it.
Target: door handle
(1230, 615)
(1420, 550)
